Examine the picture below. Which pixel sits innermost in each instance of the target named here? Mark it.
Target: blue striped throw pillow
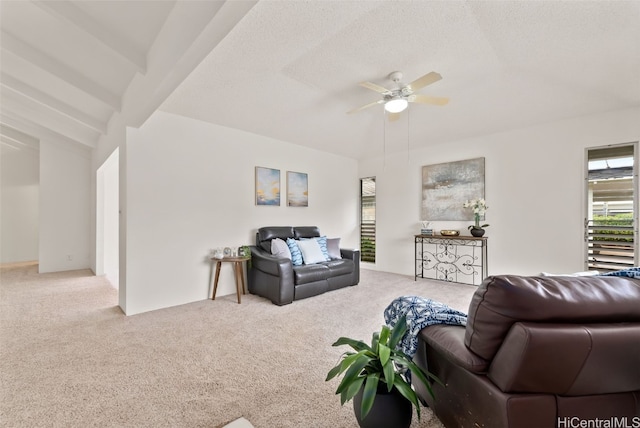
(296, 255)
(322, 241)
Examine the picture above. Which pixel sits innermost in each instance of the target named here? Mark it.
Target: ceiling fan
(396, 100)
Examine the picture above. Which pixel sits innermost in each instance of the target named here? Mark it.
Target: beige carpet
(70, 358)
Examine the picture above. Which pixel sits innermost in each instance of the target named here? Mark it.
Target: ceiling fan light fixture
(396, 104)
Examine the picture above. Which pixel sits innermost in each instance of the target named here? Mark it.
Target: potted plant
(479, 206)
(378, 375)
(245, 251)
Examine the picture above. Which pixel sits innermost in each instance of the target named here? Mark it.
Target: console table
(451, 258)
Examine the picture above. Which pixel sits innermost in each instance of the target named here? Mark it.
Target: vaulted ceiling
(68, 67)
(290, 69)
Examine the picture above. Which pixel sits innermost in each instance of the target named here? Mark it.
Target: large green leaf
(398, 332)
(384, 334)
(369, 394)
(358, 345)
(353, 372)
(416, 371)
(407, 392)
(384, 353)
(349, 359)
(348, 393)
(375, 338)
(333, 373)
(389, 374)
(344, 364)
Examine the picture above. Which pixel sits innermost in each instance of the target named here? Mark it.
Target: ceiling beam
(41, 132)
(16, 144)
(74, 15)
(52, 103)
(188, 35)
(13, 136)
(9, 145)
(28, 109)
(58, 69)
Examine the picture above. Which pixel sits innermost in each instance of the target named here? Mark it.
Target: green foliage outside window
(624, 220)
(368, 249)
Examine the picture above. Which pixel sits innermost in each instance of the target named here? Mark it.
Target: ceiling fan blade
(423, 81)
(375, 87)
(365, 106)
(425, 99)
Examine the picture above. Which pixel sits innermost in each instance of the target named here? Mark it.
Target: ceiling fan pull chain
(384, 139)
(408, 133)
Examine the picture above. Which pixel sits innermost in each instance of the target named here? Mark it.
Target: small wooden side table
(237, 270)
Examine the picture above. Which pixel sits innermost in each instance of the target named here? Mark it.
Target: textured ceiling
(290, 69)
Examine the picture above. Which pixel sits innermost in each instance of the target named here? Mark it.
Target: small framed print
(297, 189)
(267, 186)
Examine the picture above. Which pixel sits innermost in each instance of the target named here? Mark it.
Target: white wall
(19, 194)
(65, 172)
(534, 184)
(191, 188)
(114, 139)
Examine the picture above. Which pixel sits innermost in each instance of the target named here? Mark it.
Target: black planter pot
(389, 410)
(477, 232)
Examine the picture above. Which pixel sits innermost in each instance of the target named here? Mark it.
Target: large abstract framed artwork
(267, 186)
(297, 189)
(446, 186)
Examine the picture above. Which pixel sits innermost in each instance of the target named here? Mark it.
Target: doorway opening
(611, 223)
(108, 219)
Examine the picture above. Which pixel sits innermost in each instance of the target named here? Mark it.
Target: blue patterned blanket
(420, 312)
(633, 272)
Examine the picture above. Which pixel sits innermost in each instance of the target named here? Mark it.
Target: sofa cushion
(448, 341)
(279, 248)
(310, 273)
(333, 248)
(503, 300)
(568, 359)
(266, 234)
(296, 255)
(340, 267)
(306, 232)
(311, 252)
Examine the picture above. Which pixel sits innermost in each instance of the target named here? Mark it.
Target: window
(368, 219)
(611, 201)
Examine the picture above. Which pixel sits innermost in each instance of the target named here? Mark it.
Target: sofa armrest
(448, 340)
(271, 277)
(270, 264)
(355, 256)
(351, 254)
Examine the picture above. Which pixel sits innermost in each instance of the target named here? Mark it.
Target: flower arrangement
(479, 206)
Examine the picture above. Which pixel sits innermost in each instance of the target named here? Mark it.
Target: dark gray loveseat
(282, 283)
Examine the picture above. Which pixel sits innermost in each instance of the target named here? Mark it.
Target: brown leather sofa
(539, 352)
